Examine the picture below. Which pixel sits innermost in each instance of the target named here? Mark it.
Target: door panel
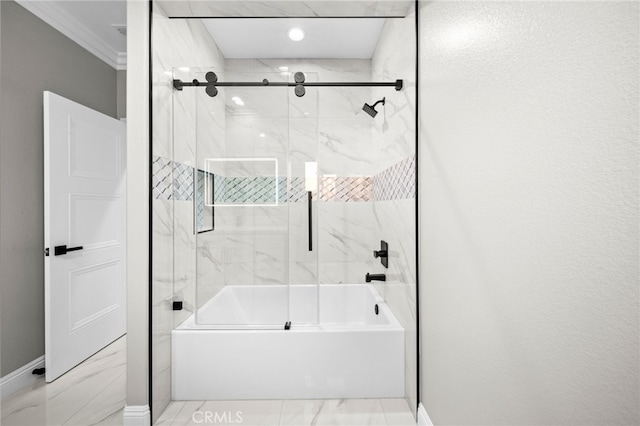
(84, 211)
(91, 296)
(94, 220)
(93, 151)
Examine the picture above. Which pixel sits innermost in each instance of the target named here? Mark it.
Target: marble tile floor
(93, 393)
(331, 412)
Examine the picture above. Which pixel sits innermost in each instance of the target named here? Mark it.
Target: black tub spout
(375, 277)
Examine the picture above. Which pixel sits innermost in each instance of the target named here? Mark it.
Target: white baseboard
(136, 415)
(423, 417)
(20, 378)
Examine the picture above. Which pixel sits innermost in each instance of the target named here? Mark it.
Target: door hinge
(287, 325)
(46, 251)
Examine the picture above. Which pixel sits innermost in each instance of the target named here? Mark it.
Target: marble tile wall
(394, 184)
(326, 126)
(174, 245)
(286, 8)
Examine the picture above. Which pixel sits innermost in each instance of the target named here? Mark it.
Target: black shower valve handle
(379, 253)
(382, 254)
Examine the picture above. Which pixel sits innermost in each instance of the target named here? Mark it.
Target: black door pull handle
(60, 250)
(310, 218)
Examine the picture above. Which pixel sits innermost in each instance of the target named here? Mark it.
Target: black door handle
(310, 219)
(60, 250)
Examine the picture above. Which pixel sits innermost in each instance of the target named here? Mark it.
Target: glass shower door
(303, 205)
(242, 211)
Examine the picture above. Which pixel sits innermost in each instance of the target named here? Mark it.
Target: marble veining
(284, 8)
(319, 412)
(394, 184)
(93, 393)
(173, 116)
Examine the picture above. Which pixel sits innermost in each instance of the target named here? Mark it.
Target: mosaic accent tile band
(346, 189)
(161, 184)
(257, 190)
(397, 182)
(199, 204)
(182, 182)
(173, 180)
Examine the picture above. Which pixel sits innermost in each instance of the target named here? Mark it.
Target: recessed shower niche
(273, 184)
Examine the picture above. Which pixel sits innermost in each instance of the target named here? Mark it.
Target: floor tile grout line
(171, 420)
(281, 411)
(384, 413)
(185, 420)
(177, 416)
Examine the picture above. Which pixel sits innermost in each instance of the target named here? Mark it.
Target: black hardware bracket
(177, 305)
(287, 325)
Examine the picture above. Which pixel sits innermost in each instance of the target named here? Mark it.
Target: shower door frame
(150, 198)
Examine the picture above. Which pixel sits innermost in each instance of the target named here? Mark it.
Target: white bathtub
(349, 353)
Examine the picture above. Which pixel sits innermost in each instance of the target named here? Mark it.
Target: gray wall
(35, 57)
(529, 212)
(121, 81)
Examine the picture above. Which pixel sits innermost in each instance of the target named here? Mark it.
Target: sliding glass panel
(241, 210)
(303, 202)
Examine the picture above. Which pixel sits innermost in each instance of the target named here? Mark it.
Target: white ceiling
(339, 38)
(90, 23)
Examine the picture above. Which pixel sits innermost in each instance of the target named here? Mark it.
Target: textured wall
(529, 212)
(35, 58)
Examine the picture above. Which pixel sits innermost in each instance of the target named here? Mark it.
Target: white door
(84, 232)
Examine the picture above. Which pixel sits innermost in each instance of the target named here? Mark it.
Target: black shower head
(371, 109)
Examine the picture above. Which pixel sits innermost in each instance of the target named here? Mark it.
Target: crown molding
(76, 31)
(121, 61)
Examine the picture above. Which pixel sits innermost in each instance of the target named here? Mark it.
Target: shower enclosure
(260, 236)
(274, 182)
